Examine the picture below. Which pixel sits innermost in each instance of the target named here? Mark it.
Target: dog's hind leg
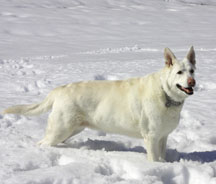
(60, 127)
(54, 140)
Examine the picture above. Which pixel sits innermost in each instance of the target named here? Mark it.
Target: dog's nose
(191, 82)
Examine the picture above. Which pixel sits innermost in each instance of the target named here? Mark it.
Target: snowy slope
(47, 43)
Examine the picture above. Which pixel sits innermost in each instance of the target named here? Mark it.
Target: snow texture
(47, 43)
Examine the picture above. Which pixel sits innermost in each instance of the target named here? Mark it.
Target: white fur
(133, 107)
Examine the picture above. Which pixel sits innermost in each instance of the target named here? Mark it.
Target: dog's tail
(33, 109)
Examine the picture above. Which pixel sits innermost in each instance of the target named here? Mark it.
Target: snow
(49, 43)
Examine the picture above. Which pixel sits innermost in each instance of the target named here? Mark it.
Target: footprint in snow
(104, 169)
(105, 77)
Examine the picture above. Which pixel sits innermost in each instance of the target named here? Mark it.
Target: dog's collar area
(170, 102)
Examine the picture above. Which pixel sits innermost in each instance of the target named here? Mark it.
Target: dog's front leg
(162, 147)
(152, 146)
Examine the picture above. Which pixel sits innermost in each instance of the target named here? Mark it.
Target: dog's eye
(191, 71)
(179, 72)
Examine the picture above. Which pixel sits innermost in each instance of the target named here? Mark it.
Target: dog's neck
(171, 99)
(170, 102)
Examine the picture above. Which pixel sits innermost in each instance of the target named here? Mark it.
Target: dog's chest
(170, 119)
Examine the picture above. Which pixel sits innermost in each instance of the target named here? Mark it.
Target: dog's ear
(169, 57)
(191, 56)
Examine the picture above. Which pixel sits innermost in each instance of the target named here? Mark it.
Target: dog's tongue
(187, 90)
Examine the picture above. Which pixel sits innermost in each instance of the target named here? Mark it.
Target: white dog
(147, 107)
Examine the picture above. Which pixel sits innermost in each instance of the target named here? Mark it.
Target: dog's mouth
(188, 91)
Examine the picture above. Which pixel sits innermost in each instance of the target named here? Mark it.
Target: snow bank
(196, 2)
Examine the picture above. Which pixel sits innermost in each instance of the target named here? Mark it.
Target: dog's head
(180, 74)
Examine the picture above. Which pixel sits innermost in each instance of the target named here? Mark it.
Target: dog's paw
(161, 160)
(46, 142)
(43, 143)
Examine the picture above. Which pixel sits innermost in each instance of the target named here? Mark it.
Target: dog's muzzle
(188, 91)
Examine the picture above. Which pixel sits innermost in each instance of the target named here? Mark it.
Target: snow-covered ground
(47, 43)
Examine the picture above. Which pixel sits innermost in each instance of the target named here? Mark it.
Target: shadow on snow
(203, 157)
(172, 155)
